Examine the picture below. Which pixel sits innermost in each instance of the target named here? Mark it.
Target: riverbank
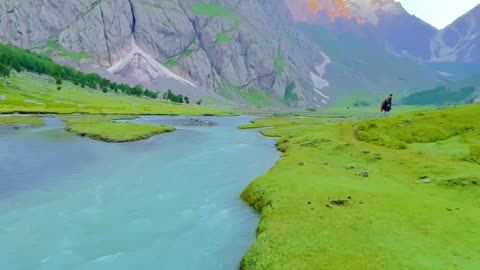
(396, 193)
(20, 121)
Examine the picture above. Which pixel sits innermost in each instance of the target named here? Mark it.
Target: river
(169, 202)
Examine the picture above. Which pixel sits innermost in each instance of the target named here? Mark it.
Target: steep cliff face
(232, 48)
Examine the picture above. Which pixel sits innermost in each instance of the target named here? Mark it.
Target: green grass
(317, 212)
(171, 63)
(30, 121)
(279, 64)
(214, 10)
(29, 93)
(289, 95)
(102, 128)
(420, 127)
(155, 6)
(54, 46)
(223, 38)
(187, 52)
(256, 98)
(252, 97)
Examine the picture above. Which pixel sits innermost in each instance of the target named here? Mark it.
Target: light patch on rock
(440, 51)
(317, 76)
(446, 74)
(321, 94)
(319, 82)
(147, 64)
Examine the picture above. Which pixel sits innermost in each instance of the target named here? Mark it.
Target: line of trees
(12, 58)
(169, 95)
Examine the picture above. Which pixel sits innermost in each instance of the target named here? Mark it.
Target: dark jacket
(387, 104)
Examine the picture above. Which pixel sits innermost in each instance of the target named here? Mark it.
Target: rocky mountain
(460, 41)
(248, 51)
(303, 53)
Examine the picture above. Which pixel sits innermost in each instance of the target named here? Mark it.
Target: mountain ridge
(233, 50)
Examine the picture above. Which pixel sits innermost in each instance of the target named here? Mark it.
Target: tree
(199, 102)
(186, 100)
(59, 84)
(4, 71)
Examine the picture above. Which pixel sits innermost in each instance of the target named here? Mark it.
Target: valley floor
(396, 193)
(86, 112)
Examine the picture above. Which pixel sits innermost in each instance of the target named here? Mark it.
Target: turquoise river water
(170, 202)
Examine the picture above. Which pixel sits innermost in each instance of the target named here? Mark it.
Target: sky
(438, 13)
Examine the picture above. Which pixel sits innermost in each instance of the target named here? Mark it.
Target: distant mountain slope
(454, 93)
(383, 23)
(387, 24)
(376, 45)
(460, 41)
(358, 65)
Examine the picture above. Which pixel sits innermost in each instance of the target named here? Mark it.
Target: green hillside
(461, 92)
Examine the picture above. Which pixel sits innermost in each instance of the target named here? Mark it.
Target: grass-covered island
(396, 193)
(105, 129)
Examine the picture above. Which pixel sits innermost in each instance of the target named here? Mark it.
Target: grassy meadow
(346, 196)
(35, 94)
